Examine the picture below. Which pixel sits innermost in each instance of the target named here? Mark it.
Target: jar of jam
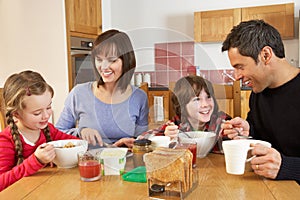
(140, 147)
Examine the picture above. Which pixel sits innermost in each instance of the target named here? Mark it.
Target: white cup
(265, 143)
(138, 79)
(147, 79)
(160, 141)
(235, 152)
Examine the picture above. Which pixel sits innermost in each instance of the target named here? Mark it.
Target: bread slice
(169, 167)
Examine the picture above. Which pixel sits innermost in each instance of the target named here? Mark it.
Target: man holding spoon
(256, 52)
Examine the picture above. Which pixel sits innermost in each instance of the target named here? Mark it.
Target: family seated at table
(111, 110)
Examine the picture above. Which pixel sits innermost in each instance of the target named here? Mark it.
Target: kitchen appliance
(82, 68)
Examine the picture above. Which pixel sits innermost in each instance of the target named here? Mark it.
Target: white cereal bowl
(205, 141)
(67, 157)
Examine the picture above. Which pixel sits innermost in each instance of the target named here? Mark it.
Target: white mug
(138, 79)
(264, 143)
(235, 152)
(147, 79)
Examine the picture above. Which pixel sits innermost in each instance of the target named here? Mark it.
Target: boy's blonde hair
(16, 87)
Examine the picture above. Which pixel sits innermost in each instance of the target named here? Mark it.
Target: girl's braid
(47, 134)
(16, 137)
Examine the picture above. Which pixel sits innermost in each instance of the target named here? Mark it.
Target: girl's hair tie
(28, 93)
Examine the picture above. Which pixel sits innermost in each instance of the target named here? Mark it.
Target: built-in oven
(82, 68)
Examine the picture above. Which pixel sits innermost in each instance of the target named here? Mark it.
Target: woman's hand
(231, 128)
(45, 153)
(171, 130)
(92, 136)
(267, 161)
(125, 141)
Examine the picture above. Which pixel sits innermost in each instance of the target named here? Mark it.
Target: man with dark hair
(256, 52)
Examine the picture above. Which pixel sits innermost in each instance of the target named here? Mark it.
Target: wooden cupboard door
(165, 95)
(245, 95)
(279, 16)
(84, 17)
(212, 26)
(226, 105)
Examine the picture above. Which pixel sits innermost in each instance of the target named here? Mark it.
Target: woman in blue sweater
(110, 109)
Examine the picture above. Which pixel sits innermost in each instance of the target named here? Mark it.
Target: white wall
(33, 36)
(148, 22)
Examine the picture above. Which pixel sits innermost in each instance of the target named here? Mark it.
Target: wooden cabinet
(84, 18)
(279, 16)
(245, 94)
(226, 105)
(154, 106)
(213, 26)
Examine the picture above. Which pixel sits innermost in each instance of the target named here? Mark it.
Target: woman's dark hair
(116, 43)
(250, 37)
(188, 87)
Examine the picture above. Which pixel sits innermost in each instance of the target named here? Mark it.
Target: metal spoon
(239, 132)
(240, 135)
(172, 145)
(175, 141)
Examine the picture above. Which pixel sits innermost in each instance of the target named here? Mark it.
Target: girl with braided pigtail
(16, 138)
(23, 143)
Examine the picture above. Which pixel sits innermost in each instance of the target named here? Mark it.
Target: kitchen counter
(246, 88)
(158, 88)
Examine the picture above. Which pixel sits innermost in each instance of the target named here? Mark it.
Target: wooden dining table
(213, 183)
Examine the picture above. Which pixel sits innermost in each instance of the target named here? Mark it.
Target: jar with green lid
(142, 146)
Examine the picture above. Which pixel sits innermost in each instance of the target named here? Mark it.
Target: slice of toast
(169, 167)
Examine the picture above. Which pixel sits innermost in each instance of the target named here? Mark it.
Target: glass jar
(142, 146)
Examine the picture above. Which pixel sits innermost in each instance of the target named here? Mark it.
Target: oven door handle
(80, 52)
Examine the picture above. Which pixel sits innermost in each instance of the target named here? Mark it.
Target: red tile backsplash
(160, 49)
(174, 75)
(162, 78)
(187, 48)
(175, 60)
(174, 63)
(215, 76)
(161, 63)
(186, 62)
(174, 49)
